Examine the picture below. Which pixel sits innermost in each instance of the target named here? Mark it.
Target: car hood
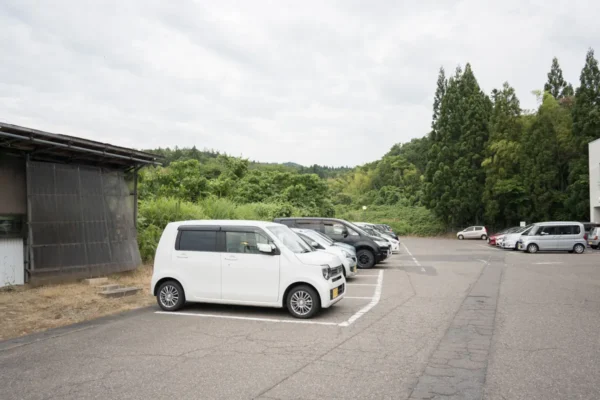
(319, 258)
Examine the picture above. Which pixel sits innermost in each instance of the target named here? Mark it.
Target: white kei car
(251, 263)
(317, 241)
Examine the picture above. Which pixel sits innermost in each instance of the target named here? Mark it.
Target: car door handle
(231, 258)
(182, 256)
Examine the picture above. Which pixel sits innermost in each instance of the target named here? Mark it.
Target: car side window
(333, 229)
(565, 230)
(470, 229)
(244, 242)
(547, 230)
(352, 232)
(190, 240)
(308, 224)
(575, 230)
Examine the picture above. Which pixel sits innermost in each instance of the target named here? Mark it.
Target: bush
(155, 214)
(405, 220)
(219, 208)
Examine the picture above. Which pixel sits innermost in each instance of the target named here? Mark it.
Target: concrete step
(96, 281)
(120, 292)
(110, 286)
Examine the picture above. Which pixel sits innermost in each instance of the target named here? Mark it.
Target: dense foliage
(485, 161)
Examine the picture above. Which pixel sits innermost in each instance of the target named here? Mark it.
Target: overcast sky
(327, 82)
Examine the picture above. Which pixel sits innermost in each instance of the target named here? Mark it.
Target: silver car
(473, 232)
(554, 236)
(594, 238)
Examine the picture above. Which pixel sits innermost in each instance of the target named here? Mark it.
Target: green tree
(437, 99)
(504, 193)
(586, 128)
(556, 84)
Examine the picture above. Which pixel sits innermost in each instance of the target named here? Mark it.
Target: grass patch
(28, 310)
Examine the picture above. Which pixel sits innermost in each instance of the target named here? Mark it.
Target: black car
(370, 250)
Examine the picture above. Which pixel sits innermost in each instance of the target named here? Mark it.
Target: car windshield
(358, 229)
(318, 238)
(326, 238)
(525, 230)
(290, 239)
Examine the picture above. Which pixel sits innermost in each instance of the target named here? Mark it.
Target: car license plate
(354, 268)
(520, 246)
(334, 293)
(590, 243)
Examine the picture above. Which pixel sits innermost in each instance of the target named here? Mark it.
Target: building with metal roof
(68, 206)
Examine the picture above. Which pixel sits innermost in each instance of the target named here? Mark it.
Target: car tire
(365, 259)
(489, 240)
(594, 247)
(483, 237)
(170, 296)
(303, 302)
(579, 248)
(532, 248)
(460, 237)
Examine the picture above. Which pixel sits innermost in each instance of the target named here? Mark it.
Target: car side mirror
(265, 248)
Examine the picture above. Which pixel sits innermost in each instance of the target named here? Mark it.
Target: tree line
(488, 161)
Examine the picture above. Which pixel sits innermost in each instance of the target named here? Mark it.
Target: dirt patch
(27, 310)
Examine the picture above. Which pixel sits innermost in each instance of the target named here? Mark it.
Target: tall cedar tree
(556, 84)
(546, 142)
(586, 128)
(503, 196)
(455, 179)
(437, 100)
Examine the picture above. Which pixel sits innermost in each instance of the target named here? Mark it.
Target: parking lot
(442, 319)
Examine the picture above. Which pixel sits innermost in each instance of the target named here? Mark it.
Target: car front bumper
(326, 292)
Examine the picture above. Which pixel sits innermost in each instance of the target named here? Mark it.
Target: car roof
(558, 223)
(227, 222)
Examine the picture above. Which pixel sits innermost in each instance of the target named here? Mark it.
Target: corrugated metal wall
(12, 185)
(12, 270)
(81, 221)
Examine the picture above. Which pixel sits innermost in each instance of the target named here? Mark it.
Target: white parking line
(289, 321)
(413, 258)
(361, 284)
(365, 276)
(368, 307)
(357, 298)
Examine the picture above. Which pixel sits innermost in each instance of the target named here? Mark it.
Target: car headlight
(346, 254)
(326, 271)
(381, 243)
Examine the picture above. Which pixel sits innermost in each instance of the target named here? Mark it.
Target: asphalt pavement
(441, 320)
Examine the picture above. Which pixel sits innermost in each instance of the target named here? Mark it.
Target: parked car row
(548, 236)
(370, 249)
(264, 264)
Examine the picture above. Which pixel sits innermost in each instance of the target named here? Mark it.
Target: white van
(244, 262)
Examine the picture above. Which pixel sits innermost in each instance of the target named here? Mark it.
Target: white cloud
(310, 82)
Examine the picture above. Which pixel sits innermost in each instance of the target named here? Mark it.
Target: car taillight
(596, 237)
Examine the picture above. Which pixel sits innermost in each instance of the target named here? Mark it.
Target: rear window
(197, 241)
(308, 224)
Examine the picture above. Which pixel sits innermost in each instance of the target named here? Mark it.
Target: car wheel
(595, 247)
(579, 248)
(170, 296)
(489, 241)
(532, 248)
(460, 237)
(366, 259)
(303, 302)
(483, 237)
